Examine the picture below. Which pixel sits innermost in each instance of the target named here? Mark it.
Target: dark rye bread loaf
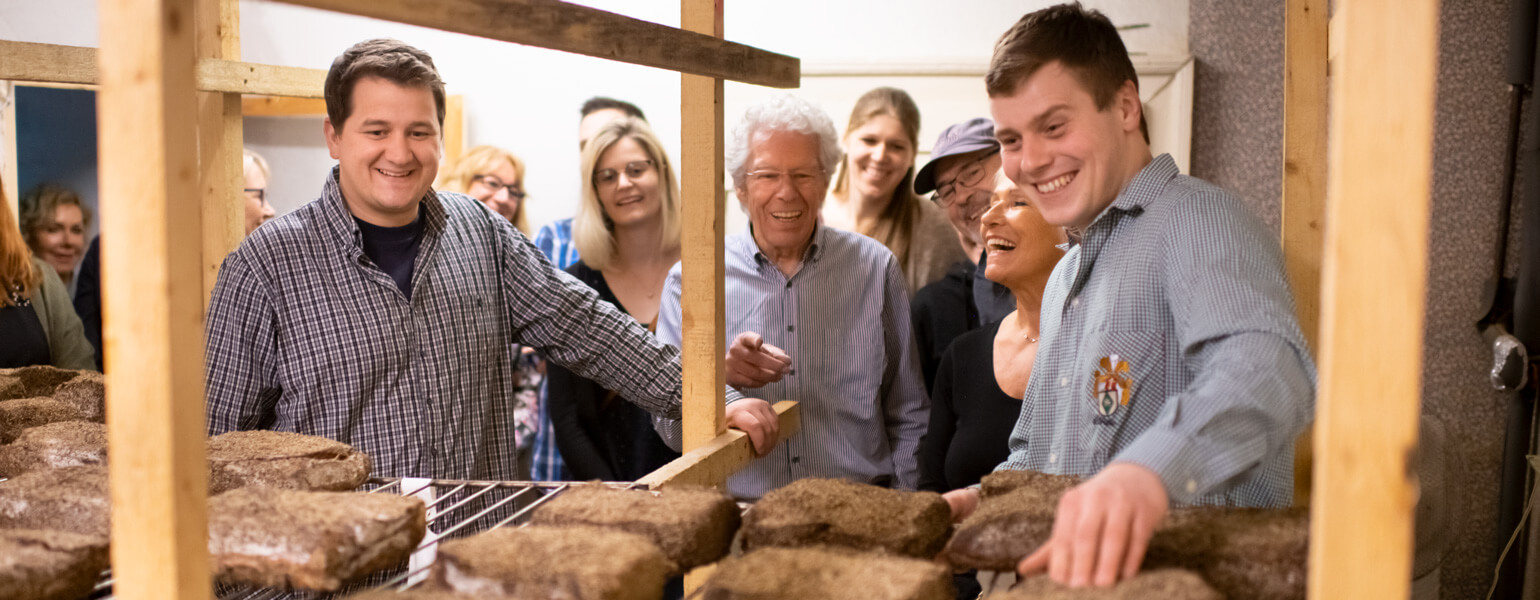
(1162, 584)
(284, 460)
(835, 512)
(1014, 517)
(822, 573)
(294, 539)
(38, 564)
(692, 525)
(72, 499)
(1254, 553)
(55, 445)
(28, 382)
(86, 392)
(587, 563)
(22, 414)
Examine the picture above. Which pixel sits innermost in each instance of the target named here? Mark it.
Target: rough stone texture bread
(62, 444)
(1003, 482)
(72, 499)
(49, 565)
(86, 392)
(284, 460)
(22, 414)
(826, 574)
(853, 515)
(693, 526)
(291, 539)
(412, 594)
(581, 563)
(1003, 530)
(1253, 553)
(1162, 584)
(29, 382)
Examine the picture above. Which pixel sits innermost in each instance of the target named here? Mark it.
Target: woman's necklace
(1030, 339)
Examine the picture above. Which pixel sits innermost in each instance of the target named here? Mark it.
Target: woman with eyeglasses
(36, 321)
(627, 233)
(872, 193)
(495, 177)
(258, 210)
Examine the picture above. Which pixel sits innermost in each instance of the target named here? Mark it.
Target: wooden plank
(1304, 181)
(583, 30)
(454, 128)
(280, 106)
(219, 143)
(701, 176)
(153, 332)
(1373, 290)
(26, 61)
(710, 464)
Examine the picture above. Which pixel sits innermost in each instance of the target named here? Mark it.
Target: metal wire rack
(456, 508)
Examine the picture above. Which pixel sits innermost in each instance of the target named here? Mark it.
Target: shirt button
(788, 285)
(1063, 381)
(790, 327)
(796, 459)
(1053, 458)
(1075, 302)
(1192, 486)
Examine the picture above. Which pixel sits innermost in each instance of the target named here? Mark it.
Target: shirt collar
(749, 249)
(1143, 189)
(335, 214)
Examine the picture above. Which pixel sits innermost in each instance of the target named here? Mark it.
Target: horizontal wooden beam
(709, 465)
(587, 31)
(51, 63)
(279, 106)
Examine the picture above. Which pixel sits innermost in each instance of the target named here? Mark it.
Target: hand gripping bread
(278, 538)
(284, 460)
(580, 563)
(72, 499)
(823, 573)
(37, 564)
(62, 444)
(853, 515)
(693, 526)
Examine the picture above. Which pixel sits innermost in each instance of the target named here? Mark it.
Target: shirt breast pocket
(1128, 380)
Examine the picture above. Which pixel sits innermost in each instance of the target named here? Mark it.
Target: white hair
(782, 112)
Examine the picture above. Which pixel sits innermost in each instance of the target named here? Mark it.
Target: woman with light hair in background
(258, 209)
(627, 233)
(36, 321)
(54, 222)
(495, 177)
(873, 189)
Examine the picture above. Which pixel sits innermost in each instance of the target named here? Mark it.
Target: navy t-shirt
(394, 249)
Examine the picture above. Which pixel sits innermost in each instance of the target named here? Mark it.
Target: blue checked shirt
(555, 241)
(306, 334)
(844, 319)
(1180, 281)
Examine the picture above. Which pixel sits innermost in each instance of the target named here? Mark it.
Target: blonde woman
(54, 221)
(873, 191)
(627, 233)
(495, 177)
(36, 319)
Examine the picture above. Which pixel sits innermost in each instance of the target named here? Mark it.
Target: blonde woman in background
(495, 177)
(873, 191)
(54, 222)
(36, 321)
(627, 233)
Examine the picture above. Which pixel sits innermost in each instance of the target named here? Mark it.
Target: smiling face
(968, 202)
(61, 239)
(495, 188)
(1022, 245)
(1071, 158)
(388, 149)
(879, 153)
(783, 212)
(626, 181)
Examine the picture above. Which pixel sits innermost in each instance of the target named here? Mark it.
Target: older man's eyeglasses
(259, 193)
(971, 174)
(497, 185)
(769, 179)
(634, 170)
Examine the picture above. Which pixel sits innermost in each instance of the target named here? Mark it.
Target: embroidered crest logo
(1114, 387)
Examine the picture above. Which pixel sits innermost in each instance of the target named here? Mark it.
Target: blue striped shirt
(554, 241)
(1183, 284)
(844, 319)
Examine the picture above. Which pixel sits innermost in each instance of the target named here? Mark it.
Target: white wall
(526, 99)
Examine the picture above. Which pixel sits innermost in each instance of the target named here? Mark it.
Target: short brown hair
(1084, 41)
(40, 203)
(385, 58)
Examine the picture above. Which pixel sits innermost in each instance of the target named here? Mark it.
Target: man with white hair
(814, 314)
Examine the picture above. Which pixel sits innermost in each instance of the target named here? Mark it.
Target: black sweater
(970, 418)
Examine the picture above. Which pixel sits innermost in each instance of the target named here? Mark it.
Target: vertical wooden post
(705, 346)
(219, 142)
(152, 281)
(1373, 287)
(1304, 180)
